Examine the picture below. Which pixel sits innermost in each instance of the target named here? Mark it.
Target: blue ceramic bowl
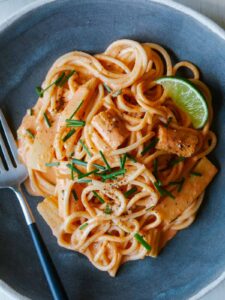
(29, 44)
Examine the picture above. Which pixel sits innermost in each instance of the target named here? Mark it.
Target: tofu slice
(111, 128)
(177, 141)
(169, 209)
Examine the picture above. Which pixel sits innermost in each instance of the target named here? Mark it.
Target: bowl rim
(204, 20)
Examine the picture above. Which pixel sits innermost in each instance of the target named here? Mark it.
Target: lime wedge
(186, 96)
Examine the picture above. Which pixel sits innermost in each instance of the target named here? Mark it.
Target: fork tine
(5, 152)
(9, 137)
(2, 168)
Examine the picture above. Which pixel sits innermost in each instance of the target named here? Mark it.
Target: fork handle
(52, 277)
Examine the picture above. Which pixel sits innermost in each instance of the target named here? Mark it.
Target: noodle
(111, 191)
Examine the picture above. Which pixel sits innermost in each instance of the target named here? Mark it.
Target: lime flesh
(186, 96)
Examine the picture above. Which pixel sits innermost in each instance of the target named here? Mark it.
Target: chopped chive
(84, 163)
(72, 174)
(108, 209)
(71, 154)
(75, 123)
(76, 110)
(162, 191)
(68, 135)
(99, 197)
(59, 79)
(105, 161)
(131, 157)
(175, 161)
(83, 226)
(113, 174)
(87, 174)
(130, 192)
(72, 167)
(39, 91)
(116, 93)
(151, 145)
(196, 174)
(66, 78)
(123, 161)
(85, 148)
(53, 164)
(169, 120)
(83, 180)
(155, 168)
(47, 122)
(74, 195)
(30, 133)
(149, 208)
(140, 240)
(179, 184)
(108, 89)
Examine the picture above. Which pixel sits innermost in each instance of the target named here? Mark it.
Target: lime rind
(187, 97)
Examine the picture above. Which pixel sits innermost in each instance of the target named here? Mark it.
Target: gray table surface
(215, 9)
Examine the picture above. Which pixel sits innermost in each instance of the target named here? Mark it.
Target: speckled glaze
(28, 47)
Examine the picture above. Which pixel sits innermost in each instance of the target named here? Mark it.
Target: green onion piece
(87, 174)
(108, 89)
(72, 174)
(72, 167)
(178, 183)
(74, 195)
(75, 123)
(113, 174)
(99, 197)
(39, 91)
(66, 78)
(130, 192)
(84, 163)
(151, 145)
(123, 161)
(59, 79)
(85, 148)
(47, 122)
(131, 157)
(168, 122)
(30, 133)
(155, 167)
(69, 134)
(76, 110)
(108, 209)
(196, 174)
(83, 226)
(162, 191)
(105, 161)
(116, 93)
(71, 154)
(83, 180)
(175, 161)
(53, 164)
(140, 240)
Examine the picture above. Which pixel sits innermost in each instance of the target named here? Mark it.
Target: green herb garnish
(99, 197)
(196, 174)
(108, 89)
(85, 148)
(123, 161)
(53, 164)
(40, 91)
(87, 174)
(83, 226)
(168, 122)
(114, 174)
(76, 110)
(179, 184)
(75, 123)
(47, 122)
(30, 133)
(65, 78)
(151, 145)
(84, 163)
(83, 180)
(108, 209)
(74, 169)
(130, 192)
(175, 161)
(68, 135)
(140, 240)
(105, 161)
(162, 191)
(74, 195)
